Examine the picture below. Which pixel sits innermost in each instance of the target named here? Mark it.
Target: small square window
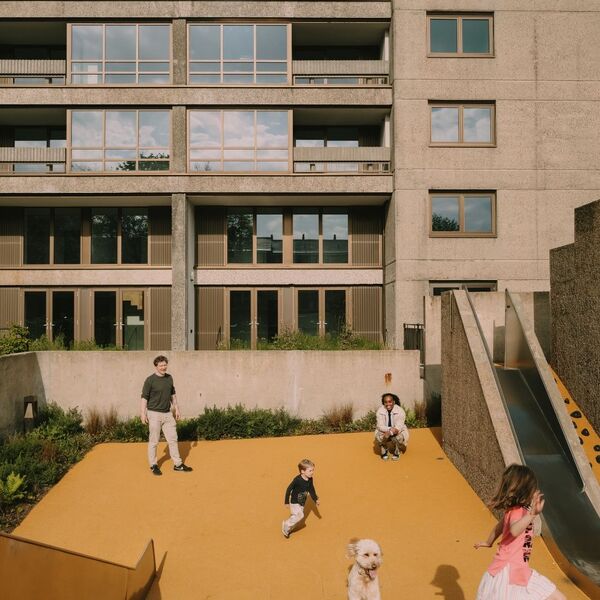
(469, 35)
(462, 124)
(463, 214)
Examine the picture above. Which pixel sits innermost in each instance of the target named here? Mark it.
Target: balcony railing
(341, 72)
(368, 159)
(53, 70)
(32, 159)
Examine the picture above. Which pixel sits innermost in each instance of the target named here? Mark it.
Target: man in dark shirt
(158, 398)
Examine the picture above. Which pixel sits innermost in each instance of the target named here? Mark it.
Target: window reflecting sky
(121, 128)
(306, 226)
(238, 128)
(269, 225)
(238, 42)
(205, 42)
(478, 213)
(442, 34)
(335, 226)
(272, 129)
(120, 42)
(205, 128)
(446, 207)
(154, 42)
(86, 130)
(87, 42)
(476, 36)
(477, 124)
(155, 130)
(271, 42)
(444, 124)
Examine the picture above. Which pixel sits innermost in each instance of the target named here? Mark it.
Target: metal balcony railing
(341, 72)
(47, 159)
(36, 68)
(366, 159)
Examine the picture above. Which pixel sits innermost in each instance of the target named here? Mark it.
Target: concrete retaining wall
(305, 383)
(475, 429)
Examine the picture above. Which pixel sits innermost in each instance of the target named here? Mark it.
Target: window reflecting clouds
(120, 53)
(477, 125)
(462, 124)
(478, 214)
(269, 238)
(444, 124)
(460, 35)
(463, 214)
(335, 238)
(238, 54)
(445, 213)
(306, 238)
(121, 138)
(239, 141)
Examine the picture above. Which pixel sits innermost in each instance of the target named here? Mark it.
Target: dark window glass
(267, 314)
(63, 316)
(239, 319)
(306, 238)
(308, 311)
(239, 237)
(133, 320)
(134, 236)
(37, 236)
(443, 35)
(104, 236)
(335, 311)
(105, 318)
(35, 314)
(67, 236)
(269, 238)
(335, 238)
(476, 36)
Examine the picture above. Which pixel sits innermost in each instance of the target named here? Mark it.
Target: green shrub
(187, 430)
(417, 417)
(90, 346)
(57, 424)
(43, 344)
(15, 340)
(366, 423)
(131, 430)
(297, 340)
(12, 489)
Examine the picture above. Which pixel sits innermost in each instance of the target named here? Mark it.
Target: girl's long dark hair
(516, 488)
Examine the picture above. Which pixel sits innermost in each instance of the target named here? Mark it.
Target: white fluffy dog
(363, 583)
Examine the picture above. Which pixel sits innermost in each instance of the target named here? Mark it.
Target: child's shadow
(446, 578)
(309, 507)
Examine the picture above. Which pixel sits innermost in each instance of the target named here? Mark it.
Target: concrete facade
(541, 165)
(575, 294)
(304, 383)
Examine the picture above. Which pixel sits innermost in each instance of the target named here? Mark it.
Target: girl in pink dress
(509, 577)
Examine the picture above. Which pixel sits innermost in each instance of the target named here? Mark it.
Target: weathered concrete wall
(20, 376)
(475, 429)
(575, 285)
(305, 383)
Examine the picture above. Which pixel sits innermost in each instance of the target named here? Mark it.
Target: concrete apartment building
(191, 175)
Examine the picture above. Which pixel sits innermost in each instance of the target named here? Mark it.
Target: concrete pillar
(182, 288)
(392, 339)
(179, 137)
(179, 33)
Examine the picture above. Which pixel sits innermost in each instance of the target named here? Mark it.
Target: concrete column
(182, 289)
(392, 339)
(179, 137)
(179, 33)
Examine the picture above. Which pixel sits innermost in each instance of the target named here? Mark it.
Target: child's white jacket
(398, 419)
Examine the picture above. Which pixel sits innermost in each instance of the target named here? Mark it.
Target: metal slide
(549, 445)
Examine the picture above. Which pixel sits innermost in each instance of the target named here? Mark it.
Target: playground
(217, 532)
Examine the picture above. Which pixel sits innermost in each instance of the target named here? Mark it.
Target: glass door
(335, 312)
(309, 321)
(105, 318)
(132, 319)
(321, 312)
(240, 319)
(35, 314)
(267, 315)
(63, 317)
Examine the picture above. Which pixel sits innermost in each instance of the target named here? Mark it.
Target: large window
(120, 140)
(462, 124)
(246, 246)
(243, 141)
(119, 235)
(120, 53)
(52, 236)
(238, 54)
(470, 214)
(39, 137)
(320, 237)
(460, 35)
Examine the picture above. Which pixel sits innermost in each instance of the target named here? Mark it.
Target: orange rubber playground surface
(217, 530)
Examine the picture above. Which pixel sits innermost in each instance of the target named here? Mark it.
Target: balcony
(32, 53)
(346, 160)
(32, 160)
(346, 54)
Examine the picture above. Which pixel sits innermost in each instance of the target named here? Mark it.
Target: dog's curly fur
(363, 583)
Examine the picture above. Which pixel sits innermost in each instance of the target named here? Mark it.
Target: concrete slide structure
(548, 443)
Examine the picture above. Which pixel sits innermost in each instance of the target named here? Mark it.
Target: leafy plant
(339, 417)
(15, 340)
(12, 489)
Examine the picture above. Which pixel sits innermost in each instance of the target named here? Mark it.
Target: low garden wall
(305, 383)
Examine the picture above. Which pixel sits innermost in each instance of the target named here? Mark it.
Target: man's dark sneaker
(155, 470)
(182, 467)
(384, 456)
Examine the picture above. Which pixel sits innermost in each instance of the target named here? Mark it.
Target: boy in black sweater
(296, 495)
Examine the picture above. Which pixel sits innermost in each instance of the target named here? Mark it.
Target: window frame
(103, 60)
(222, 148)
(432, 16)
(461, 105)
(457, 284)
(103, 148)
(461, 233)
(254, 61)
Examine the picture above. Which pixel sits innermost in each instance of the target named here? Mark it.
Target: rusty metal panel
(160, 235)
(11, 236)
(210, 317)
(9, 308)
(365, 229)
(210, 236)
(160, 318)
(367, 312)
